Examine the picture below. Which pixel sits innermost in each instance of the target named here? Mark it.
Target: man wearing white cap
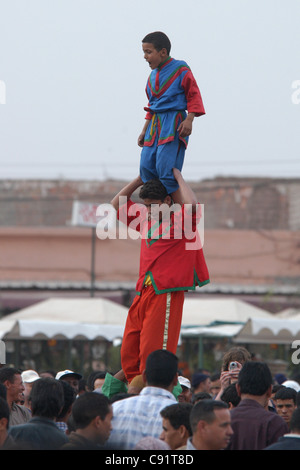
(186, 394)
(71, 377)
(28, 378)
(292, 384)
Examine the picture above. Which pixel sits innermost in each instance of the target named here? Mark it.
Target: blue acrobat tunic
(171, 90)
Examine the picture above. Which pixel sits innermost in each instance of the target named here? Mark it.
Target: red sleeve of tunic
(193, 95)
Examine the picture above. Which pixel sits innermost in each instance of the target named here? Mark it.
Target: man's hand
(184, 194)
(127, 191)
(228, 377)
(120, 376)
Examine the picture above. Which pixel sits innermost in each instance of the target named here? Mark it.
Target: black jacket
(286, 443)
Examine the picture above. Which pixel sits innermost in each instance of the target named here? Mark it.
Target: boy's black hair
(153, 189)
(159, 40)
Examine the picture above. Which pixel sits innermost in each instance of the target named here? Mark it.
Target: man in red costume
(171, 262)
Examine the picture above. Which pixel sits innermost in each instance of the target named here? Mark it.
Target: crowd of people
(242, 407)
(149, 404)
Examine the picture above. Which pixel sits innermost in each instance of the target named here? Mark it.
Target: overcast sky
(73, 76)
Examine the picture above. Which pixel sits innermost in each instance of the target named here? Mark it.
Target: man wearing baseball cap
(186, 394)
(71, 377)
(201, 382)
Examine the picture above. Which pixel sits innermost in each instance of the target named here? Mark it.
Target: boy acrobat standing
(171, 90)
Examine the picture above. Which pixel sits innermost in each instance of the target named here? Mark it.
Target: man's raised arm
(185, 194)
(127, 191)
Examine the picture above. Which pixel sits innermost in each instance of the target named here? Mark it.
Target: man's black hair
(255, 378)
(153, 189)
(205, 410)
(230, 395)
(47, 397)
(161, 368)
(178, 415)
(8, 373)
(286, 393)
(87, 407)
(98, 374)
(69, 399)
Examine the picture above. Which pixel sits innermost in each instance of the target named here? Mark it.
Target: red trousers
(153, 322)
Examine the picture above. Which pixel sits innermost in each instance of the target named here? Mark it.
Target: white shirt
(138, 416)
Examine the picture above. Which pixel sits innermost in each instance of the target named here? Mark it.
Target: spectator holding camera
(233, 361)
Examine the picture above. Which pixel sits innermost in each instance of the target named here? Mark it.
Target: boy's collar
(167, 60)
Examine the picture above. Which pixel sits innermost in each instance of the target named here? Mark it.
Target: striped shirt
(138, 416)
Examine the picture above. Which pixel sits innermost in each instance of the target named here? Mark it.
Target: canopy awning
(219, 331)
(269, 331)
(66, 319)
(203, 312)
